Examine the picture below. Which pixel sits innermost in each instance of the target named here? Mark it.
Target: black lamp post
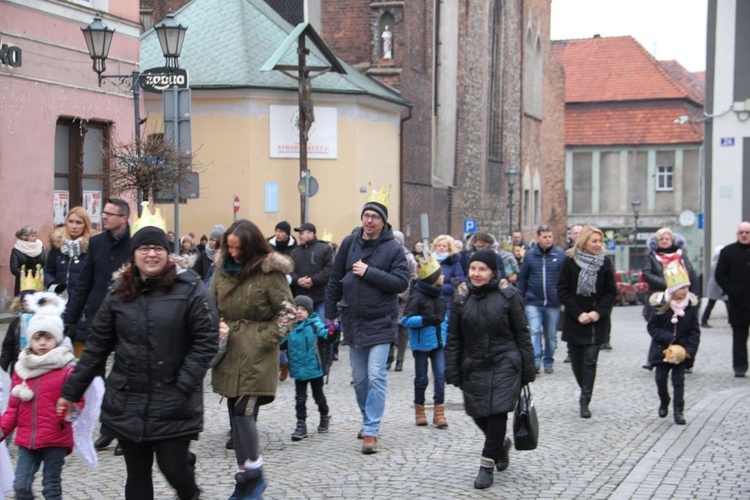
(636, 204)
(98, 40)
(511, 174)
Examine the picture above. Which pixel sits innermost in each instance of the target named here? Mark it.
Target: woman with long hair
(489, 356)
(27, 253)
(68, 246)
(257, 311)
(161, 323)
(586, 287)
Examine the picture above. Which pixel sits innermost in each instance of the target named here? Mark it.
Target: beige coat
(260, 312)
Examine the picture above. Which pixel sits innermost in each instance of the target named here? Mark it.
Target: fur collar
(58, 236)
(274, 261)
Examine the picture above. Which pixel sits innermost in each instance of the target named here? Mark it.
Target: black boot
(484, 478)
(585, 412)
(250, 485)
(399, 365)
(324, 421)
(103, 442)
(664, 407)
(588, 375)
(300, 432)
(504, 460)
(679, 409)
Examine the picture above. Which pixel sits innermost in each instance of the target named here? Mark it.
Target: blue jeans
(28, 465)
(368, 372)
(437, 359)
(543, 320)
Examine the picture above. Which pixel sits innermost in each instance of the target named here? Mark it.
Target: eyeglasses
(145, 250)
(372, 217)
(110, 214)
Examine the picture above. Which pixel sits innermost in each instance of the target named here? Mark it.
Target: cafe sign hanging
(10, 55)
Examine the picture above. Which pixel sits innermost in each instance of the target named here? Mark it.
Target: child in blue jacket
(425, 317)
(307, 365)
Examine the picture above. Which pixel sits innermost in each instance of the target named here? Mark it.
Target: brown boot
(438, 419)
(420, 417)
(370, 445)
(284, 373)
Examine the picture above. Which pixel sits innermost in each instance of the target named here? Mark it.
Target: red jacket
(37, 421)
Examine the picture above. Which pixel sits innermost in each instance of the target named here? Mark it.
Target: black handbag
(525, 422)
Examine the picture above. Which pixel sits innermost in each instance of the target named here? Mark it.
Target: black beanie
(284, 226)
(431, 279)
(488, 257)
(376, 207)
(149, 235)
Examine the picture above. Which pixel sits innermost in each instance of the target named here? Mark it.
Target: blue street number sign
(470, 226)
(611, 245)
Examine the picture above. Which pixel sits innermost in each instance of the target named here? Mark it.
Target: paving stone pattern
(625, 451)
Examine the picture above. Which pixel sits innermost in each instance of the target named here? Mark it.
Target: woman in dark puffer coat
(489, 356)
(161, 323)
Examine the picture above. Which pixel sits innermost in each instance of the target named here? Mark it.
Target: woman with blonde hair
(587, 289)
(444, 248)
(69, 245)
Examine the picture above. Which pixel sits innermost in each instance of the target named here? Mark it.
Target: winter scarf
(28, 248)
(590, 265)
(30, 365)
(72, 248)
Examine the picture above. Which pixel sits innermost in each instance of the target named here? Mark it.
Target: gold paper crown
(148, 219)
(427, 265)
(383, 196)
(327, 236)
(32, 279)
(676, 275)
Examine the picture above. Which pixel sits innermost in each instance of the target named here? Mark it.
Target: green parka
(260, 312)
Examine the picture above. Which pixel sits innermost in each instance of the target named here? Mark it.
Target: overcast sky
(668, 29)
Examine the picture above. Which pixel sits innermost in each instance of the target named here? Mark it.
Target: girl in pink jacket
(42, 436)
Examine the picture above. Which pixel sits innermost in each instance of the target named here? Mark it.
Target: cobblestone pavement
(624, 451)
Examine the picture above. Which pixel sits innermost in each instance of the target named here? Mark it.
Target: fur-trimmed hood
(183, 263)
(58, 236)
(274, 261)
(679, 242)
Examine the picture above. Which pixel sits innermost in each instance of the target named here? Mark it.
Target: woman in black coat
(489, 356)
(586, 287)
(69, 245)
(27, 253)
(162, 325)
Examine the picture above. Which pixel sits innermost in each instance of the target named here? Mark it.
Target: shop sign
(10, 55)
(158, 80)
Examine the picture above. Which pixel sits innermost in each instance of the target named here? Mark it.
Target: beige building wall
(230, 138)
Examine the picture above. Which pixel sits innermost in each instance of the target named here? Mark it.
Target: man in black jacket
(313, 261)
(369, 272)
(733, 276)
(107, 252)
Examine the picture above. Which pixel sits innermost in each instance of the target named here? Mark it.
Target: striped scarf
(590, 265)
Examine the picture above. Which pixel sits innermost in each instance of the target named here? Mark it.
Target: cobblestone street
(624, 451)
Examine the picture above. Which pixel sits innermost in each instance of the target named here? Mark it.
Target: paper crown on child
(675, 354)
(147, 219)
(327, 236)
(32, 279)
(676, 276)
(428, 267)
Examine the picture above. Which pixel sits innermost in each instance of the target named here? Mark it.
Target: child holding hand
(307, 365)
(43, 436)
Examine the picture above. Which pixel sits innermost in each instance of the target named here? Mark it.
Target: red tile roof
(614, 69)
(632, 124)
(693, 83)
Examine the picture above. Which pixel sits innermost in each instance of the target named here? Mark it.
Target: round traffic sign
(236, 203)
(313, 186)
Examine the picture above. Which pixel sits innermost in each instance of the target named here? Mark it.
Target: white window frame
(665, 177)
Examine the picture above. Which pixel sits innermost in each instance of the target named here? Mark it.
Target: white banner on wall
(92, 202)
(62, 206)
(322, 140)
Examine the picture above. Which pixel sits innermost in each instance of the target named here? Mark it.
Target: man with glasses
(733, 276)
(107, 252)
(369, 272)
(538, 284)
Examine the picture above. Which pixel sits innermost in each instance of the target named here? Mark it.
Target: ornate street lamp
(98, 40)
(171, 36)
(511, 175)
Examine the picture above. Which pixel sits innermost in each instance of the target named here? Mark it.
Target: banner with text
(322, 142)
